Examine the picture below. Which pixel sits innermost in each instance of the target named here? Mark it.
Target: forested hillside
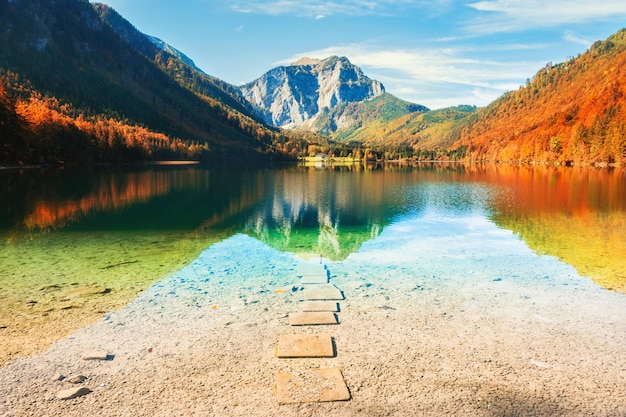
(180, 69)
(569, 113)
(355, 118)
(35, 129)
(74, 91)
(420, 133)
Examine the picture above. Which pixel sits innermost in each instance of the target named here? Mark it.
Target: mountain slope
(65, 51)
(345, 121)
(296, 95)
(420, 129)
(569, 113)
(164, 46)
(175, 63)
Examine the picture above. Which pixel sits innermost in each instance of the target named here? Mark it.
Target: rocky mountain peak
(306, 61)
(291, 96)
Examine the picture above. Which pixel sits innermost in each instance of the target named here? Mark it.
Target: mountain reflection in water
(576, 214)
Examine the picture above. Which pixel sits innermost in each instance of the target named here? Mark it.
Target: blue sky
(437, 53)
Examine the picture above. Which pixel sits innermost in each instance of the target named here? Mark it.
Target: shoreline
(338, 161)
(42, 306)
(100, 164)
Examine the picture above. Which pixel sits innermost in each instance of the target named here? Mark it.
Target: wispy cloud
(573, 38)
(422, 75)
(317, 8)
(513, 15)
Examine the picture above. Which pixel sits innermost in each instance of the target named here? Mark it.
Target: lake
(77, 244)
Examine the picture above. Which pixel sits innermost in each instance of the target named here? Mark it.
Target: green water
(77, 243)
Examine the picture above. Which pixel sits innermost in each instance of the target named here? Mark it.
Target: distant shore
(61, 165)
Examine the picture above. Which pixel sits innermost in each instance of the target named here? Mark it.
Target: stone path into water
(319, 307)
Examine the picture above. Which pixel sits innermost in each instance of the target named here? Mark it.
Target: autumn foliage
(35, 129)
(75, 91)
(572, 113)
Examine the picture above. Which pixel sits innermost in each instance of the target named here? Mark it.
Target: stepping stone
(313, 385)
(314, 279)
(320, 306)
(305, 346)
(322, 292)
(311, 269)
(310, 318)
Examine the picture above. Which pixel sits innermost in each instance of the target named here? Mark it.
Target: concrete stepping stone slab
(314, 279)
(313, 385)
(311, 269)
(322, 292)
(305, 346)
(319, 306)
(312, 318)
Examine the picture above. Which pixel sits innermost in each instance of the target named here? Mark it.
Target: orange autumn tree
(37, 129)
(569, 113)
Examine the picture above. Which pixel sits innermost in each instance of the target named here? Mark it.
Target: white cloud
(323, 8)
(433, 77)
(573, 38)
(513, 15)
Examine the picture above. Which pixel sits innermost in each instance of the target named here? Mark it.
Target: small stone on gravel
(76, 379)
(70, 393)
(101, 355)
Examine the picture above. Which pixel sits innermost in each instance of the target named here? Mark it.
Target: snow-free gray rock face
(294, 95)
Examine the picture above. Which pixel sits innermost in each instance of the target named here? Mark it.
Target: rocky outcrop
(295, 95)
